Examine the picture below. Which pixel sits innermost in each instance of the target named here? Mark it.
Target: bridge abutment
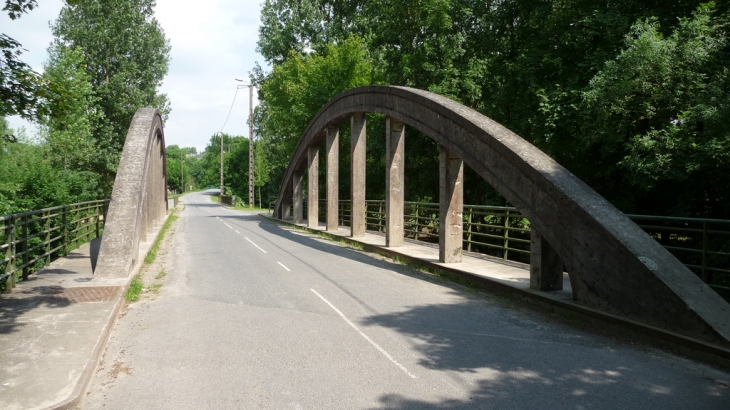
(546, 266)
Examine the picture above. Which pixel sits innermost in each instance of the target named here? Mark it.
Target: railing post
(506, 235)
(394, 181)
(333, 179)
(64, 230)
(10, 252)
(48, 237)
(380, 217)
(418, 227)
(468, 230)
(451, 206)
(706, 276)
(24, 247)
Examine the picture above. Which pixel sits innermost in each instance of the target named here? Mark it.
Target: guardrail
(33, 239)
(703, 245)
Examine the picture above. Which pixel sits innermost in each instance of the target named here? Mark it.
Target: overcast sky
(213, 42)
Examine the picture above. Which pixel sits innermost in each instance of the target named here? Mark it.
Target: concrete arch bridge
(613, 265)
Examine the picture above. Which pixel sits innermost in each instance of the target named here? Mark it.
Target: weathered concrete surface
(50, 327)
(546, 268)
(313, 187)
(614, 266)
(451, 207)
(139, 197)
(395, 172)
(333, 177)
(297, 204)
(358, 158)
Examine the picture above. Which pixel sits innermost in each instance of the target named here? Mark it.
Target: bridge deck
(514, 274)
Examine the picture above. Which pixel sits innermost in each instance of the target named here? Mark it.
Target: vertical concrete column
(394, 181)
(313, 188)
(333, 177)
(546, 267)
(451, 207)
(297, 197)
(357, 174)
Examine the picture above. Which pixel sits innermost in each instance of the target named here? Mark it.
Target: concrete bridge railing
(139, 197)
(614, 266)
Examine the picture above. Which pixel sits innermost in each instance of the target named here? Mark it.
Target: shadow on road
(517, 359)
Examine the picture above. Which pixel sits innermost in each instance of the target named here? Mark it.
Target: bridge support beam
(394, 181)
(451, 207)
(333, 178)
(546, 267)
(313, 188)
(297, 197)
(357, 174)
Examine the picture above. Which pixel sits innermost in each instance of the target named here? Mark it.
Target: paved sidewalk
(50, 326)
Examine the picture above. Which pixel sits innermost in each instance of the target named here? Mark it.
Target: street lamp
(250, 142)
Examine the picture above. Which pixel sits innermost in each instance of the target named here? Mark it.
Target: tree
(126, 56)
(20, 87)
(71, 109)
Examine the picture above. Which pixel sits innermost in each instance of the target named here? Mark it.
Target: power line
(229, 111)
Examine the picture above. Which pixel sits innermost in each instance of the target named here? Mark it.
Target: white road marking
(255, 245)
(282, 265)
(237, 231)
(386, 354)
(227, 225)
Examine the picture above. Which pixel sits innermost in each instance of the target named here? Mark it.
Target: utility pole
(250, 147)
(221, 194)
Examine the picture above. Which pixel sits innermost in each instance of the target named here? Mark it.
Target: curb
(76, 395)
(91, 364)
(688, 346)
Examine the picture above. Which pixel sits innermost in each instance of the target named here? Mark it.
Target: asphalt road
(254, 315)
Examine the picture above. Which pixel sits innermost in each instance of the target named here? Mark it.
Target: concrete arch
(139, 197)
(613, 265)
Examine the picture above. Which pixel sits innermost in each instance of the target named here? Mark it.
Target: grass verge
(135, 289)
(152, 254)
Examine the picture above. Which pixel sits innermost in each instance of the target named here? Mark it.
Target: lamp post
(250, 143)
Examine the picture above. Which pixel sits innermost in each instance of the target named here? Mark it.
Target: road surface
(255, 315)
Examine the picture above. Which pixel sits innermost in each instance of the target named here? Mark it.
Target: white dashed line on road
(282, 265)
(237, 231)
(386, 354)
(255, 245)
(227, 225)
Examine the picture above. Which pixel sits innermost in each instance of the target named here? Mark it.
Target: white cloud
(212, 43)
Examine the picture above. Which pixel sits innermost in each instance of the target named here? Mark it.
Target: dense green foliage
(632, 96)
(107, 60)
(126, 56)
(20, 87)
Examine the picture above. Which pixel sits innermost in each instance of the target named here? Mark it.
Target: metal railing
(33, 239)
(703, 245)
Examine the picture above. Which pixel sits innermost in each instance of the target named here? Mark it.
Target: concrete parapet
(139, 197)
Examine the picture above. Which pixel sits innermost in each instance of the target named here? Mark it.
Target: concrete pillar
(313, 188)
(333, 177)
(394, 181)
(546, 267)
(297, 198)
(285, 211)
(357, 174)
(451, 208)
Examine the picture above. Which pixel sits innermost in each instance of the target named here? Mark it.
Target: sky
(213, 43)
